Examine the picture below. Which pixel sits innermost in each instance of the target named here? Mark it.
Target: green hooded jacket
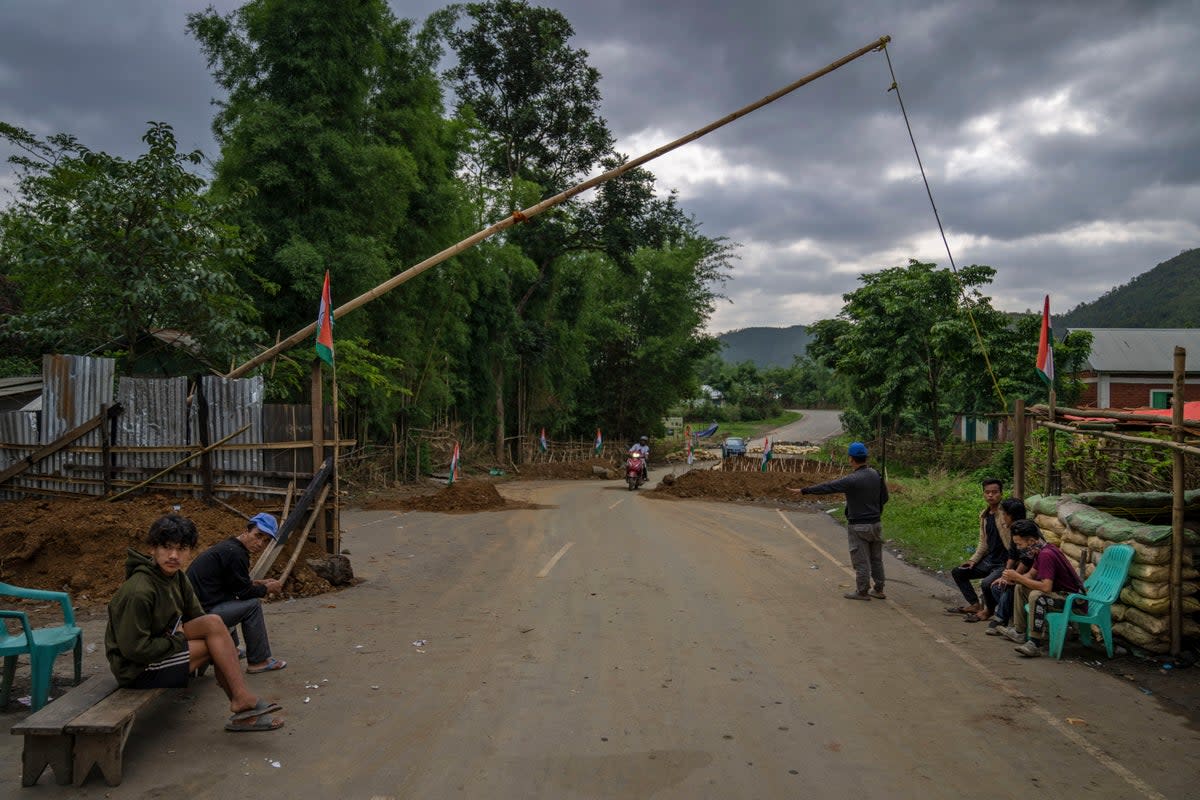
(142, 615)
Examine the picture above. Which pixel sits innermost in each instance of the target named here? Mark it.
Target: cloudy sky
(1061, 139)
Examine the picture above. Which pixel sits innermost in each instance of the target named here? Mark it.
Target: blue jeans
(248, 614)
(1004, 602)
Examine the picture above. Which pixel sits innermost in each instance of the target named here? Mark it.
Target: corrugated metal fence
(158, 426)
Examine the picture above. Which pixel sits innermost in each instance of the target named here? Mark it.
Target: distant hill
(766, 347)
(1167, 296)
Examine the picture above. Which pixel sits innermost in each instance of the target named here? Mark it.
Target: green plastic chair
(42, 644)
(1101, 589)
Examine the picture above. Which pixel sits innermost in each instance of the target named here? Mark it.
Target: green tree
(904, 342)
(333, 112)
(105, 250)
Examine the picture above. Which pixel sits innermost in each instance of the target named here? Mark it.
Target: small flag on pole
(454, 465)
(688, 446)
(767, 454)
(325, 325)
(542, 442)
(1045, 354)
(599, 442)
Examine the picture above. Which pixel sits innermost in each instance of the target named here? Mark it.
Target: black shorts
(170, 673)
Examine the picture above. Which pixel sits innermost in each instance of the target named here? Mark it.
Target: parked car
(733, 446)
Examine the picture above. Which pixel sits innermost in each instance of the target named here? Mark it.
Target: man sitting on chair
(221, 575)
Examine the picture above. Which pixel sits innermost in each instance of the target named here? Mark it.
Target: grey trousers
(248, 614)
(866, 554)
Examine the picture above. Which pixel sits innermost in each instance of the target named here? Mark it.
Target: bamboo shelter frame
(1179, 428)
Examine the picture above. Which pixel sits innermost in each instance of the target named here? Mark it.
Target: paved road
(609, 645)
(814, 427)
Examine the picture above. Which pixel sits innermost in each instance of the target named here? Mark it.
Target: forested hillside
(1167, 296)
(766, 347)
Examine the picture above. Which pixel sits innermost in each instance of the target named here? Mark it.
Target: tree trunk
(498, 377)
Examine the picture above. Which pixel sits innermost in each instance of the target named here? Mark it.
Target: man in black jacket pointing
(866, 494)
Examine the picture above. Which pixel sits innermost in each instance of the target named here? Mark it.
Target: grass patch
(933, 520)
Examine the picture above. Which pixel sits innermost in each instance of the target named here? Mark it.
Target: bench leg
(103, 750)
(40, 752)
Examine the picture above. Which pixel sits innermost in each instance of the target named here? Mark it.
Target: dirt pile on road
(463, 497)
(563, 471)
(79, 545)
(732, 486)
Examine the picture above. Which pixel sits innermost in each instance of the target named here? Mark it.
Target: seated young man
(1045, 587)
(998, 592)
(158, 634)
(221, 577)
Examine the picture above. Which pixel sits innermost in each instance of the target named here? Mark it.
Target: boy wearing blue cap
(221, 577)
(866, 493)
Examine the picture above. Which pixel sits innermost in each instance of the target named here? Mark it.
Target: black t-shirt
(996, 550)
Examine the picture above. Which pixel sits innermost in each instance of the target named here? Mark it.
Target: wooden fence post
(1019, 449)
(1177, 504)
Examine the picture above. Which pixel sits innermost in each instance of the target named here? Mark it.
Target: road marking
(614, 505)
(1114, 766)
(550, 564)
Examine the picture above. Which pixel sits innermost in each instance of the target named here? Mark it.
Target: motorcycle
(634, 471)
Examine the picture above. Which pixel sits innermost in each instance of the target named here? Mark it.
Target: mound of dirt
(563, 471)
(463, 497)
(732, 486)
(78, 545)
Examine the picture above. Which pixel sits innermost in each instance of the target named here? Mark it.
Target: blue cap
(857, 450)
(267, 524)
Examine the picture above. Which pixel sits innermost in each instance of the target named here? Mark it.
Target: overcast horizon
(1060, 140)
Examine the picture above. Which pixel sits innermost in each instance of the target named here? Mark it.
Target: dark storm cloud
(1061, 139)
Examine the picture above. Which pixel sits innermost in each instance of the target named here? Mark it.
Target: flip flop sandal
(263, 722)
(272, 665)
(957, 610)
(263, 707)
(972, 618)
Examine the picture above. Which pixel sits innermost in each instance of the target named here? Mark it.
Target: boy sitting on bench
(158, 633)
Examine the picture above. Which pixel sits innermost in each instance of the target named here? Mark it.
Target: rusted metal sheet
(288, 422)
(74, 389)
(155, 414)
(233, 403)
(17, 428)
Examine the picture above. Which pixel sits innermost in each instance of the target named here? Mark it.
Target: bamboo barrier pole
(179, 464)
(1177, 503)
(528, 213)
(1120, 437)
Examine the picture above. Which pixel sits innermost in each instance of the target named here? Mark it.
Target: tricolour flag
(599, 442)
(543, 442)
(454, 465)
(1045, 356)
(325, 325)
(767, 454)
(688, 445)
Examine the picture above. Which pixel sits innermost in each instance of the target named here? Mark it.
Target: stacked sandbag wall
(1084, 525)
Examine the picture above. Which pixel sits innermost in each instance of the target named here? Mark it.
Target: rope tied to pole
(962, 290)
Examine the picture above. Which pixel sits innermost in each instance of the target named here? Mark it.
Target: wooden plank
(178, 464)
(52, 448)
(53, 716)
(317, 511)
(111, 713)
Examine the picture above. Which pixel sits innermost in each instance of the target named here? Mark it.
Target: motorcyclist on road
(643, 446)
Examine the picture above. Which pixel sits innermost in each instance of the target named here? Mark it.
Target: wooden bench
(85, 728)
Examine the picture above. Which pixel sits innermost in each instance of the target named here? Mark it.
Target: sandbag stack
(1084, 525)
